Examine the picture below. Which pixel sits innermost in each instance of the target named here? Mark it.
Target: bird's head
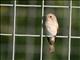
(50, 16)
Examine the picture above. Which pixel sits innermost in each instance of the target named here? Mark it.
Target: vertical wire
(14, 26)
(41, 53)
(70, 9)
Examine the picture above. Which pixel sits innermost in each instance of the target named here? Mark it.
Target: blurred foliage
(27, 48)
(32, 2)
(75, 49)
(28, 21)
(56, 2)
(76, 22)
(6, 1)
(6, 47)
(6, 19)
(76, 3)
(39, 2)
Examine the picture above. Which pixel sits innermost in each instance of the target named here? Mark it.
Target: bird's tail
(51, 41)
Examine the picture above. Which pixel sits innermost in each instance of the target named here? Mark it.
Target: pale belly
(51, 28)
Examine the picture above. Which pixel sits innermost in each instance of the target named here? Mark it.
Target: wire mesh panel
(27, 48)
(6, 25)
(22, 35)
(28, 21)
(76, 22)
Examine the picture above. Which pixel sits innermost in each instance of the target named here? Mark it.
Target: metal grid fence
(70, 7)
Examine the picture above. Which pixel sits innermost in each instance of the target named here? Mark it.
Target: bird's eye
(50, 16)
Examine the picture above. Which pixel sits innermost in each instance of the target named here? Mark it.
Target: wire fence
(70, 7)
(18, 5)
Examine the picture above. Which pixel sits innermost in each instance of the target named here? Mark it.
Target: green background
(28, 21)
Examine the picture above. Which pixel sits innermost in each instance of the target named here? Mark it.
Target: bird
(51, 27)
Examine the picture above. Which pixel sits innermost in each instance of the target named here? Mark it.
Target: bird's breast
(51, 27)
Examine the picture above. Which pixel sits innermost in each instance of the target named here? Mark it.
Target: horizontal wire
(75, 6)
(75, 37)
(28, 5)
(20, 5)
(56, 6)
(5, 34)
(39, 6)
(29, 35)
